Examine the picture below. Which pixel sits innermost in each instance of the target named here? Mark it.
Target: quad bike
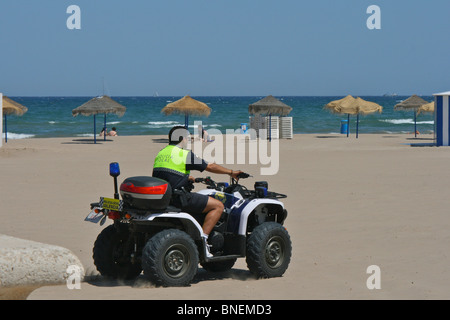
(150, 235)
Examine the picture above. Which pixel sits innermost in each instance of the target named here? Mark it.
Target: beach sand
(352, 203)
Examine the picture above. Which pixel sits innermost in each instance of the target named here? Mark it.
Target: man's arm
(215, 168)
(196, 163)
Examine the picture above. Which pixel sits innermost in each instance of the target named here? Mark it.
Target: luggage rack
(270, 195)
(127, 208)
(142, 212)
(275, 195)
(252, 194)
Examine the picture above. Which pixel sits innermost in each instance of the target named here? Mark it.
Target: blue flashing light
(114, 169)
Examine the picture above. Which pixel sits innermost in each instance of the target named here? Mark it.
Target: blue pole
(104, 133)
(95, 131)
(348, 124)
(6, 130)
(415, 124)
(270, 127)
(357, 124)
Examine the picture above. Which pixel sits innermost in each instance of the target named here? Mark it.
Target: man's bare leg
(214, 209)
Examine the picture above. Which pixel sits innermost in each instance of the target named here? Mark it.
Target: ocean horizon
(50, 117)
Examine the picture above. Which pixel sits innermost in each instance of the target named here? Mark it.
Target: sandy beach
(352, 203)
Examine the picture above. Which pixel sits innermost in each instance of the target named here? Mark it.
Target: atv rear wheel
(269, 250)
(170, 258)
(108, 255)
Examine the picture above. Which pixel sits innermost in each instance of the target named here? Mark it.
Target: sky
(224, 48)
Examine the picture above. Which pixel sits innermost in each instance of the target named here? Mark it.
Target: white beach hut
(442, 118)
(275, 121)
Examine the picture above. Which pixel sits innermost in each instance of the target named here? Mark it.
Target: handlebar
(207, 180)
(243, 175)
(211, 183)
(200, 180)
(224, 187)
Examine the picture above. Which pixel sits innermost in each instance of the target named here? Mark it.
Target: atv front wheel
(170, 258)
(269, 250)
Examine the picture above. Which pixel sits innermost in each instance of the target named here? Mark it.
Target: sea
(49, 117)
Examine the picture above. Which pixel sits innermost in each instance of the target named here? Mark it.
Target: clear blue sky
(224, 47)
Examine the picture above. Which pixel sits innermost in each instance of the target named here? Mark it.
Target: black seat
(172, 209)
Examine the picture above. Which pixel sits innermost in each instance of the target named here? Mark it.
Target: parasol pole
(95, 132)
(348, 124)
(104, 126)
(104, 132)
(415, 124)
(270, 127)
(6, 128)
(357, 124)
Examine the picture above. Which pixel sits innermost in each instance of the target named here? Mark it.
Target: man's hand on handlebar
(236, 174)
(244, 175)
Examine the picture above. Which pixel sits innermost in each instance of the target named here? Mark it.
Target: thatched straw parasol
(344, 105)
(269, 106)
(352, 106)
(100, 105)
(11, 107)
(426, 108)
(187, 106)
(412, 103)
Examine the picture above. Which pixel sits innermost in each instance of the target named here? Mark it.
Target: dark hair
(114, 128)
(177, 133)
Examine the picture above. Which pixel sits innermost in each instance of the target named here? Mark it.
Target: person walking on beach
(202, 134)
(173, 164)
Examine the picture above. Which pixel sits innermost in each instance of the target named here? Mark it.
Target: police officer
(174, 163)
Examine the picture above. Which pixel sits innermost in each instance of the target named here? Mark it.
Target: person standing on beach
(173, 164)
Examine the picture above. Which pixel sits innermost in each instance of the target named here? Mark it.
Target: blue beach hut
(442, 118)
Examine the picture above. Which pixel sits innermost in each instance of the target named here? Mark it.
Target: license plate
(111, 204)
(93, 216)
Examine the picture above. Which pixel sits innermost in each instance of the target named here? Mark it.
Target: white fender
(176, 215)
(250, 207)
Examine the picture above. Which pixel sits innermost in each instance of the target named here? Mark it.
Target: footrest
(223, 258)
